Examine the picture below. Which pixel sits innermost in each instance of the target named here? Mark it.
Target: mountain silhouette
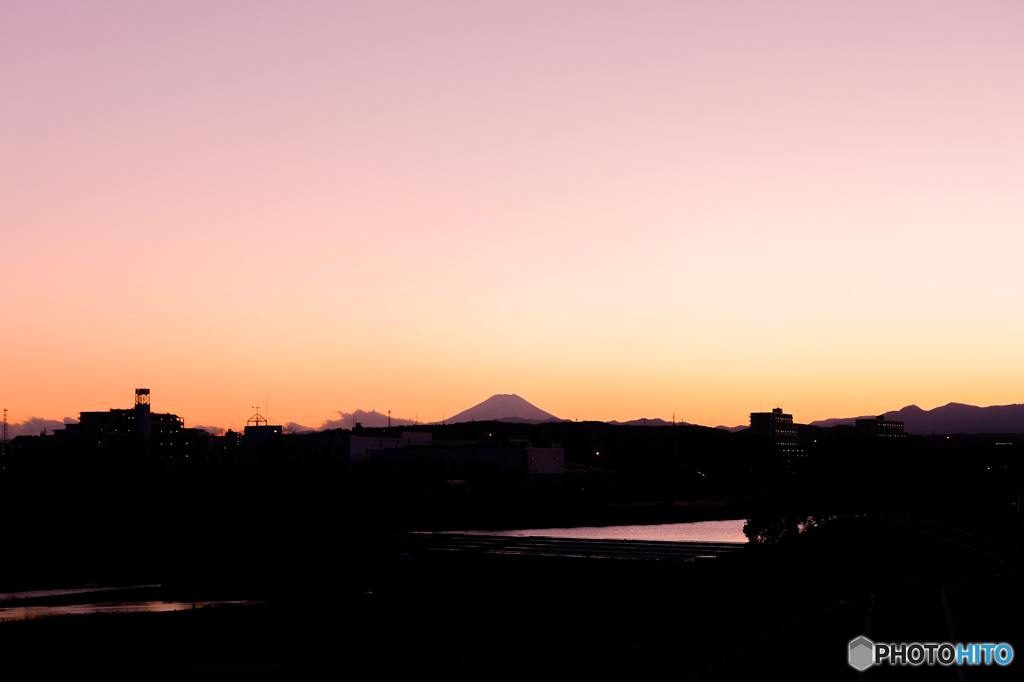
(949, 419)
(504, 407)
(648, 422)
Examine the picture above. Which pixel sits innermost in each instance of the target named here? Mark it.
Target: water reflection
(771, 531)
(32, 594)
(31, 612)
(698, 531)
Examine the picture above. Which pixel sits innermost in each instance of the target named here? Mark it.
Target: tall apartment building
(775, 425)
(880, 427)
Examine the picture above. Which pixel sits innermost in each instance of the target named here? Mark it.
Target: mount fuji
(504, 408)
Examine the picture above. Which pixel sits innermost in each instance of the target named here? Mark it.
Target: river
(698, 531)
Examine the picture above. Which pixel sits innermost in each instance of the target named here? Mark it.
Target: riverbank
(467, 615)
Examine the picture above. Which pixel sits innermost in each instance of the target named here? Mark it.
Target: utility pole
(3, 438)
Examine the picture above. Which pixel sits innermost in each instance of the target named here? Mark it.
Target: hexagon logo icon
(862, 653)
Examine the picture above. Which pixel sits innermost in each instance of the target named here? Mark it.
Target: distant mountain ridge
(949, 419)
(945, 420)
(648, 422)
(504, 407)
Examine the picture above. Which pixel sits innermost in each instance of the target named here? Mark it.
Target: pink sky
(614, 210)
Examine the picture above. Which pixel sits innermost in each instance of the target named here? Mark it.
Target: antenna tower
(257, 419)
(3, 438)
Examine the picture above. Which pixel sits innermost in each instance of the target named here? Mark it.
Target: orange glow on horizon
(614, 212)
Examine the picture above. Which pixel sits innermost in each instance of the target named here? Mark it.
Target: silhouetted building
(161, 434)
(259, 434)
(331, 447)
(410, 455)
(880, 427)
(455, 460)
(528, 469)
(29, 445)
(228, 445)
(363, 446)
(545, 460)
(776, 426)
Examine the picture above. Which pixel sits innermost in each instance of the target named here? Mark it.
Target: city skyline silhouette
(549, 340)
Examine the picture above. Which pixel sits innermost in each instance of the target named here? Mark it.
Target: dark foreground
(784, 611)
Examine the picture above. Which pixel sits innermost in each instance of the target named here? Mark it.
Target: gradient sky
(612, 209)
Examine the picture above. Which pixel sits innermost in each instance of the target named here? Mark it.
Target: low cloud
(33, 426)
(346, 420)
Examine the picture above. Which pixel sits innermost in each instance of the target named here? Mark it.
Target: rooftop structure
(258, 433)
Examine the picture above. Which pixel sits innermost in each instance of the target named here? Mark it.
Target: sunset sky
(612, 209)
